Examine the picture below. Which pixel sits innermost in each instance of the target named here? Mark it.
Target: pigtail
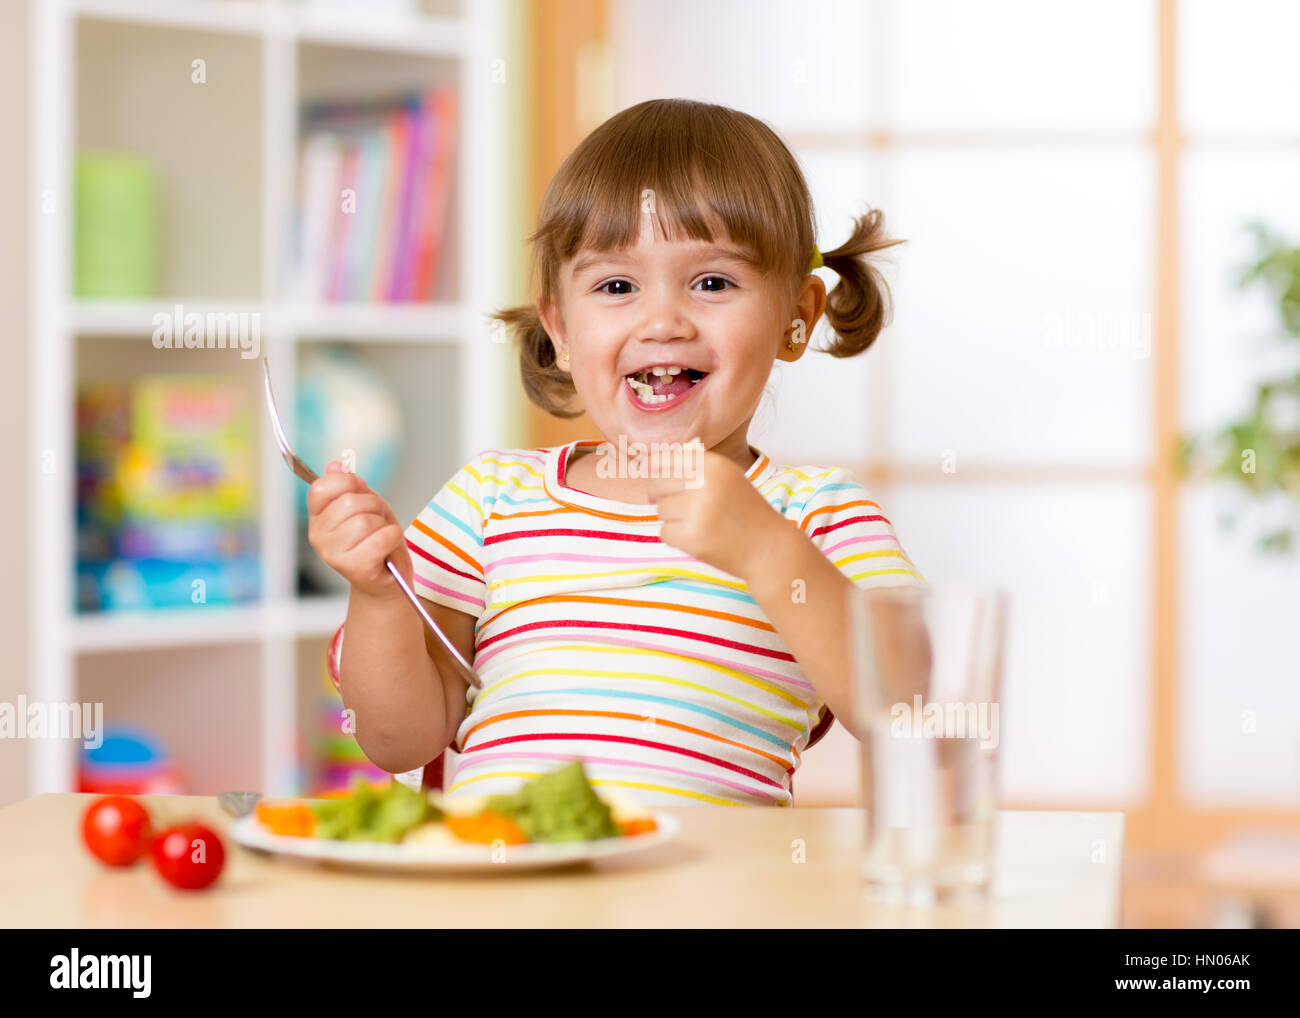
(549, 387)
(858, 307)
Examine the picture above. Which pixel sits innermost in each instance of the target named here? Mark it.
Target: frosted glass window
(1239, 669)
(1024, 316)
(804, 66)
(845, 183)
(1075, 562)
(819, 410)
(1237, 64)
(962, 65)
(1230, 336)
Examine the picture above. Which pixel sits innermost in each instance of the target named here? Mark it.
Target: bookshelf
(224, 686)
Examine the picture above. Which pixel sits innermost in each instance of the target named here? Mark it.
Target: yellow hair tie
(817, 262)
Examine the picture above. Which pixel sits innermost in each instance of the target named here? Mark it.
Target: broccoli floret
(367, 815)
(397, 812)
(562, 806)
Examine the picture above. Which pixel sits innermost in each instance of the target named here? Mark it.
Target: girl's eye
(718, 279)
(604, 287)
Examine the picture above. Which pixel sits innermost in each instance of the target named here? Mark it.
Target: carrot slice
(294, 819)
(640, 826)
(485, 828)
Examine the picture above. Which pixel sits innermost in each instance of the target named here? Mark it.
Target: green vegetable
(367, 815)
(560, 806)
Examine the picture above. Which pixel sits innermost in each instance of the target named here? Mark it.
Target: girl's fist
(354, 531)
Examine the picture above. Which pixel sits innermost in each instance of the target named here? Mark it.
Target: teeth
(641, 386)
(658, 369)
(647, 394)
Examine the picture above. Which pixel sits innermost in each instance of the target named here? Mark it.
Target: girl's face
(692, 307)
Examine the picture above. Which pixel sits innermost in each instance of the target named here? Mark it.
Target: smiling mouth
(663, 383)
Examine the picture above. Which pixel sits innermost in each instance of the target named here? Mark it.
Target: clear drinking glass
(926, 665)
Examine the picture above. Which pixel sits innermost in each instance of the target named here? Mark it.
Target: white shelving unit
(285, 52)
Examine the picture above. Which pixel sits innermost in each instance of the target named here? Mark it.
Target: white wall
(14, 332)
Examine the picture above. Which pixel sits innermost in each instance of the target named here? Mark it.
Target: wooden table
(729, 867)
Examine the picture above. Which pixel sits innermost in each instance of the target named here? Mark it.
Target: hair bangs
(720, 175)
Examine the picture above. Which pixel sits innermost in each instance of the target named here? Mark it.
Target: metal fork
(307, 474)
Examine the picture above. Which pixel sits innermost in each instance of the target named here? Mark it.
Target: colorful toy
(339, 759)
(129, 761)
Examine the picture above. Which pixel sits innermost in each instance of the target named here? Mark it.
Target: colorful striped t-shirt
(596, 640)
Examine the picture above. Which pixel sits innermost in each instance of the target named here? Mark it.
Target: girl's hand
(353, 530)
(717, 517)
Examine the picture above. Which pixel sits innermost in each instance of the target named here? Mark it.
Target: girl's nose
(666, 318)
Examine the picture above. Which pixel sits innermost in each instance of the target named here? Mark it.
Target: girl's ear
(546, 313)
(809, 305)
(812, 300)
(549, 315)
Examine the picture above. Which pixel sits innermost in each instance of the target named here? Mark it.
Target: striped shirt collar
(557, 459)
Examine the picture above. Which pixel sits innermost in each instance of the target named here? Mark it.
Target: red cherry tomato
(189, 856)
(116, 830)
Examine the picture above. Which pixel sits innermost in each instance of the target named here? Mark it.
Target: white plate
(446, 852)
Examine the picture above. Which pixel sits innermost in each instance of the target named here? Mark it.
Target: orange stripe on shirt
(835, 508)
(621, 517)
(629, 603)
(423, 528)
(532, 512)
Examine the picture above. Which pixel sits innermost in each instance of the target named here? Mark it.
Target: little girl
(682, 633)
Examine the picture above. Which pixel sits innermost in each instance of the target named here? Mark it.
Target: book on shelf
(374, 181)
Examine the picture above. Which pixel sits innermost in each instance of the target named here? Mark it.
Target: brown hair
(701, 164)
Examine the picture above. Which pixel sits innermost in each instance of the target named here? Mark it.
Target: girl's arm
(720, 518)
(406, 697)
(814, 628)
